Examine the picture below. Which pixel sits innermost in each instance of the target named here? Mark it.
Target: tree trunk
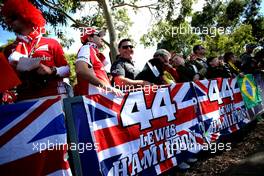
(110, 25)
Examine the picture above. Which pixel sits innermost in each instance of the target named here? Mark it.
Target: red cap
(87, 31)
(23, 10)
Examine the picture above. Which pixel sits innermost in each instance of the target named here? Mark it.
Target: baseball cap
(87, 31)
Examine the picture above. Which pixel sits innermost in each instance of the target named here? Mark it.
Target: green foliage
(255, 19)
(241, 37)
(121, 19)
(234, 42)
(64, 41)
(170, 37)
(156, 34)
(55, 14)
(8, 42)
(122, 22)
(240, 18)
(208, 16)
(70, 5)
(231, 13)
(165, 31)
(71, 58)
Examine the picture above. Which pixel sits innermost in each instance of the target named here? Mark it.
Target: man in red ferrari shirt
(46, 77)
(89, 64)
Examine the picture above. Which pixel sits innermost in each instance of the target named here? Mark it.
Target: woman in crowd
(217, 68)
(186, 71)
(158, 70)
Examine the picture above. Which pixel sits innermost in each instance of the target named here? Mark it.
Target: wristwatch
(54, 70)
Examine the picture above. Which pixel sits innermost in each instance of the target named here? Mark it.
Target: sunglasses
(127, 46)
(98, 35)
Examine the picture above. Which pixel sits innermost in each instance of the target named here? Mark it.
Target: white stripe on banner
(172, 86)
(101, 124)
(187, 125)
(238, 105)
(21, 117)
(178, 98)
(174, 161)
(202, 98)
(211, 115)
(93, 90)
(246, 120)
(61, 173)
(206, 84)
(233, 85)
(19, 143)
(124, 149)
(157, 168)
(216, 114)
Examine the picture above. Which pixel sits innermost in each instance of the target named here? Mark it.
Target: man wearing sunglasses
(123, 70)
(89, 66)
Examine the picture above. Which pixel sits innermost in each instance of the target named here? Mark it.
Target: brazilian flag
(249, 91)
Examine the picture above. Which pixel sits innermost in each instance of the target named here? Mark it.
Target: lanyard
(27, 40)
(33, 49)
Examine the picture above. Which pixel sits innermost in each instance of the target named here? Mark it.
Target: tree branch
(108, 44)
(150, 6)
(56, 8)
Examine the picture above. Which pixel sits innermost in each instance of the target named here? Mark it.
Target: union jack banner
(144, 132)
(33, 139)
(222, 109)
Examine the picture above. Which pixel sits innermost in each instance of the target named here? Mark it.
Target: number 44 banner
(146, 132)
(150, 131)
(222, 108)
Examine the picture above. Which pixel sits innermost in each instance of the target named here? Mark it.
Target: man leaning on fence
(123, 70)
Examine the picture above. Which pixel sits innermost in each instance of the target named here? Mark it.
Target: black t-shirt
(218, 72)
(186, 72)
(200, 65)
(248, 64)
(124, 67)
(152, 75)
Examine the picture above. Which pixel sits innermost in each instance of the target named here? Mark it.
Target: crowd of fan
(166, 67)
